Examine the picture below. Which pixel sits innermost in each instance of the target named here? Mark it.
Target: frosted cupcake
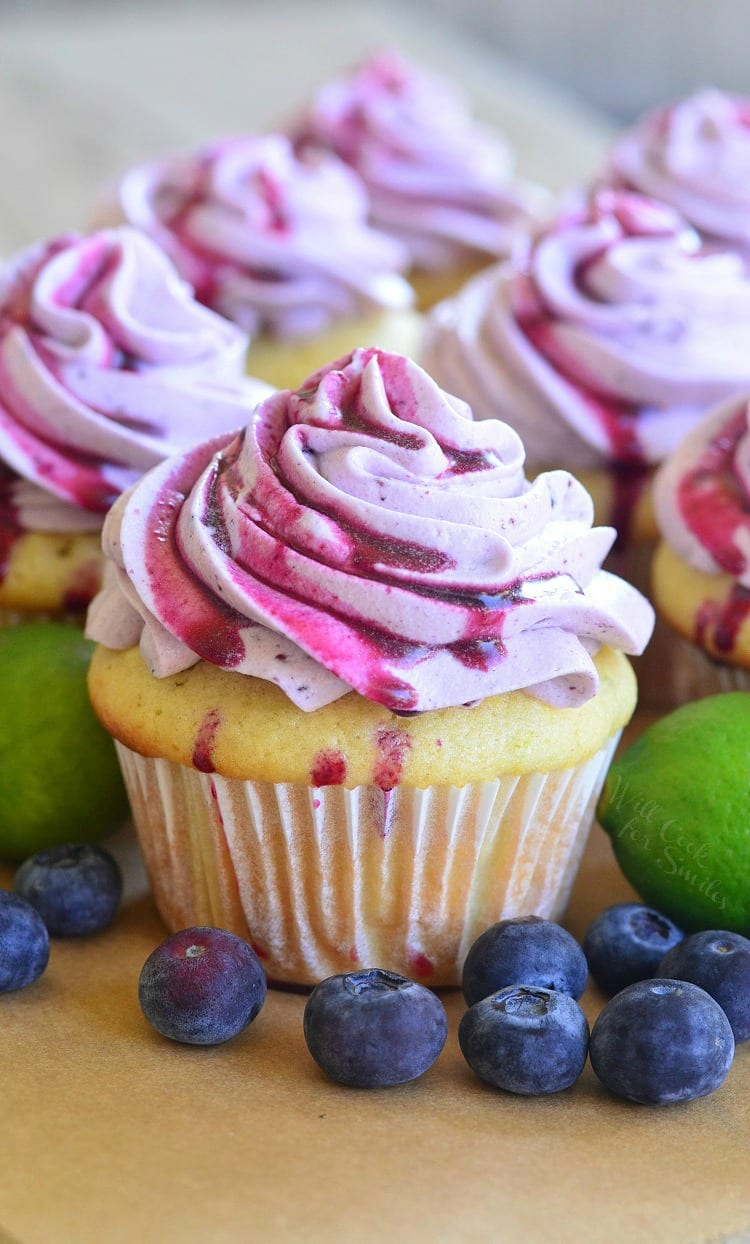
(613, 337)
(438, 180)
(695, 155)
(107, 366)
(281, 245)
(289, 652)
(701, 572)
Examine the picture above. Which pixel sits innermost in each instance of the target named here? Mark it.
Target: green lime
(676, 805)
(59, 777)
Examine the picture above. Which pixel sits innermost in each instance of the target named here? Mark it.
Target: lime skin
(676, 805)
(59, 776)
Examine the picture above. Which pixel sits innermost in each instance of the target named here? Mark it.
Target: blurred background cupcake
(701, 572)
(602, 348)
(365, 679)
(279, 243)
(107, 365)
(439, 180)
(694, 154)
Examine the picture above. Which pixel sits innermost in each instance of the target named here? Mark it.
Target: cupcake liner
(322, 880)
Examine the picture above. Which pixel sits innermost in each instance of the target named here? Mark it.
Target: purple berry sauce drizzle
(714, 505)
(71, 473)
(629, 472)
(362, 655)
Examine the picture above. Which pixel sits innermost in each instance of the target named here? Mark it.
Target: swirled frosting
(702, 493)
(607, 343)
(695, 155)
(438, 180)
(365, 533)
(107, 366)
(272, 240)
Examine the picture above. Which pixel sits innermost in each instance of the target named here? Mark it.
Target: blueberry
(24, 943)
(525, 1039)
(374, 1029)
(660, 1041)
(626, 943)
(527, 949)
(75, 888)
(202, 986)
(720, 963)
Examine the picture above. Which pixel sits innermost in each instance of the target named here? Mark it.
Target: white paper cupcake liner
(322, 880)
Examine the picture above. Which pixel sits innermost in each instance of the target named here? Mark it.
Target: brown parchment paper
(111, 1133)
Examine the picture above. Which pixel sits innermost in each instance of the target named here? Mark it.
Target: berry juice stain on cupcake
(713, 500)
(721, 621)
(205, 741)
(328, 768)
(420, 965)
(392, 748)
(215, 801)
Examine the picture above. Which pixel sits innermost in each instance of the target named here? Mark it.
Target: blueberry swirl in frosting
(607, 343)
(107, 366)
(365, 533)
(272, 240)
(695, 155)
(438, 180)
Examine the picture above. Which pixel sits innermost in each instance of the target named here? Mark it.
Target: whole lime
(59, 777)
(676, 805)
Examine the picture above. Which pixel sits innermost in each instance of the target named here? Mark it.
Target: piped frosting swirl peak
(438, 179)
(695, 155)
(365, 533)
(270, 239)
(609, 341)
(107, 366)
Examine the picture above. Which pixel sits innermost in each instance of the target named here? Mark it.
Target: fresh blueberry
(525, 1039)
(527, 949)
(720, 963)
(24, 943)
(626, 943)
(202, 986)
(661, 1041)
(374, 1029)
(76, 888)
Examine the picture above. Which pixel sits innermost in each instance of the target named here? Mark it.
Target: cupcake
(280, 244)
(363, 677)
(701, 572)
(602, 348)
(439, 181)
(107, 366)
(695, 155)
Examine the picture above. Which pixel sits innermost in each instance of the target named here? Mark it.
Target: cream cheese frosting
(107, 366)
(438, 180)
(702, 493)
(276, 241)
(695, 155)
(607, 343)
(364, 532)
